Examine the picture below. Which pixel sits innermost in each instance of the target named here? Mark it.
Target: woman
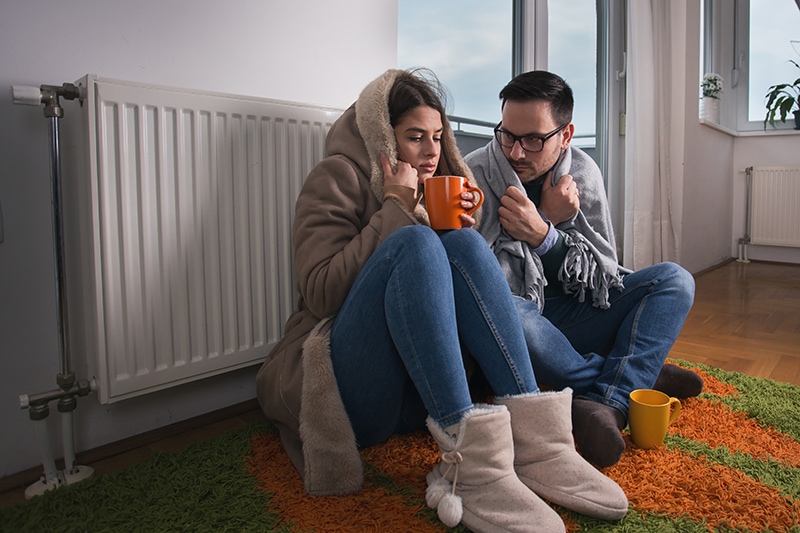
(386, 307)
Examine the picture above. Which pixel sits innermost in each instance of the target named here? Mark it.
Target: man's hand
(561, 202)
(521, 219)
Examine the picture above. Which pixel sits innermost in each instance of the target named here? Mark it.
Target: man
(589, 324)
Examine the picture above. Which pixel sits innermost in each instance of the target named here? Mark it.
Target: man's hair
(541, 85)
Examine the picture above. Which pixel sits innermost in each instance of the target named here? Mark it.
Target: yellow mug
(649, 415)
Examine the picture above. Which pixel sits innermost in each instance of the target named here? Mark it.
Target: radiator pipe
(745, 240)
(69, 388)
(38, 410)
(53, 111)
(50, 478)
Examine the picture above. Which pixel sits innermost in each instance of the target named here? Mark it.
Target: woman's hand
(406, 175)
(468, 202)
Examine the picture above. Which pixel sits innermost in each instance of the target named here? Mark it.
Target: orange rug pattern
(669, 483)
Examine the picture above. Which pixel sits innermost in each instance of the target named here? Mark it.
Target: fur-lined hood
(374, 128)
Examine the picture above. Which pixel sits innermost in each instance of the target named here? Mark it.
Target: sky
(777, 23)
(467, 44)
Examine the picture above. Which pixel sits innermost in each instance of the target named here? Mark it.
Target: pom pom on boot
(448, 506)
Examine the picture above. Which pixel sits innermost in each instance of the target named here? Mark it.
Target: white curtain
(655, 114)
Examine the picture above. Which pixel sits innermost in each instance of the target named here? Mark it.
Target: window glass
(572, 54)
(774, 40)
(466, 43)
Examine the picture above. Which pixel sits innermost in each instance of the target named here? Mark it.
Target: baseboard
(715, 267)
(29, 476)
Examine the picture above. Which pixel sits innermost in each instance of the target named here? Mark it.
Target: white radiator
(774, 206)
(178, 209)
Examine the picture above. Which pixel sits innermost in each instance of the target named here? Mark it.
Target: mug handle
(474, 189)
(675, 410)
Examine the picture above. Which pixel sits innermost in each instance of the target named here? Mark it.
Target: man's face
(533, 118)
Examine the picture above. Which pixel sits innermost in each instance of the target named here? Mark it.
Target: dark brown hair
(542, 85)
(414, 88)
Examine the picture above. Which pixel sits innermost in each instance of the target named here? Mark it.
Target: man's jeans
(396, 343)
(605, 354)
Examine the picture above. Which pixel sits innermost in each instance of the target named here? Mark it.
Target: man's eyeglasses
(529, 143)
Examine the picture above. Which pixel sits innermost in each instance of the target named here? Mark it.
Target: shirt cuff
(549, 241)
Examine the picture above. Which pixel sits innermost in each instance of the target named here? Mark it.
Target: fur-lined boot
(546, 460)
(475, 483)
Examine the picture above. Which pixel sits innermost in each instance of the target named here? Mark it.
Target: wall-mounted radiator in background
(178, 211)
(772, 208)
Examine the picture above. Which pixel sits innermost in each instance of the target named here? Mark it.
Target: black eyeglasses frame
(498, 131)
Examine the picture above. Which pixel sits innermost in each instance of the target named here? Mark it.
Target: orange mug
(650, 413)
(443, 200)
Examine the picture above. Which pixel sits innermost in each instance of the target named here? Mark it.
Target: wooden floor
(746, 318)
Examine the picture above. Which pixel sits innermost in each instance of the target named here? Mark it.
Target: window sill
(754, 133)
(714, 126)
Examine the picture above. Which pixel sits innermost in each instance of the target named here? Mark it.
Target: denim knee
(418, 243)
(680, 281)
(466, 245)
(418, 234)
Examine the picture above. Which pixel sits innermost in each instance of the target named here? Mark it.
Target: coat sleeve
(338, 224)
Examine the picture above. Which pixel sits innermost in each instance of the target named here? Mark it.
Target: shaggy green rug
(731, 463)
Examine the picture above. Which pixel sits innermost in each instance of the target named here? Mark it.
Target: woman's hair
(414, 88)
(541, 85)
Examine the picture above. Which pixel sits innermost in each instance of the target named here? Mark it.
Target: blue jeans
(396, 344)
(604, 354)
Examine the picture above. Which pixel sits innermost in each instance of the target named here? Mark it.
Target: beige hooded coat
(340, 220)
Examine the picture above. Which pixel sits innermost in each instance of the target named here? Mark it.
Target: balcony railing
(472, 134)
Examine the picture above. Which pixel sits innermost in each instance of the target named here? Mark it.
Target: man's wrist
(549, 239)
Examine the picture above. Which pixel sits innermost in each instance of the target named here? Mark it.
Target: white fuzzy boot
(546, 460)
(476, 484)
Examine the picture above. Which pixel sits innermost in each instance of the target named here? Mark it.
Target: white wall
(714, 205)
(315, 51)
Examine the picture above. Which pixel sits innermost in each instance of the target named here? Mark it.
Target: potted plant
(712, 88)
(782, 99)
(712, 85)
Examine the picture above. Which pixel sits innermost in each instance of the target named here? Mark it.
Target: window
(749, 43)
(774, 39)
(470, 45)
(467, 44)
(476, 46)
(572, 54)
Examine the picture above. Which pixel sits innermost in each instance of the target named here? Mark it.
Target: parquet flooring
(745, 318)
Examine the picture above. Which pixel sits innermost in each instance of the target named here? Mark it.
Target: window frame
(725, 49)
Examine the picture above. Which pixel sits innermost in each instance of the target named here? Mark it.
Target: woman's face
(419, 135)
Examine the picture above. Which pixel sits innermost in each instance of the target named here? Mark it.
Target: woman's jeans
(396, 343)
(604, 354)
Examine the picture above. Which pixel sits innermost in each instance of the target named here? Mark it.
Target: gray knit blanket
(590, 265)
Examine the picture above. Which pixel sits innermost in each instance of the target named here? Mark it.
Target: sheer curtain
(655, 115)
